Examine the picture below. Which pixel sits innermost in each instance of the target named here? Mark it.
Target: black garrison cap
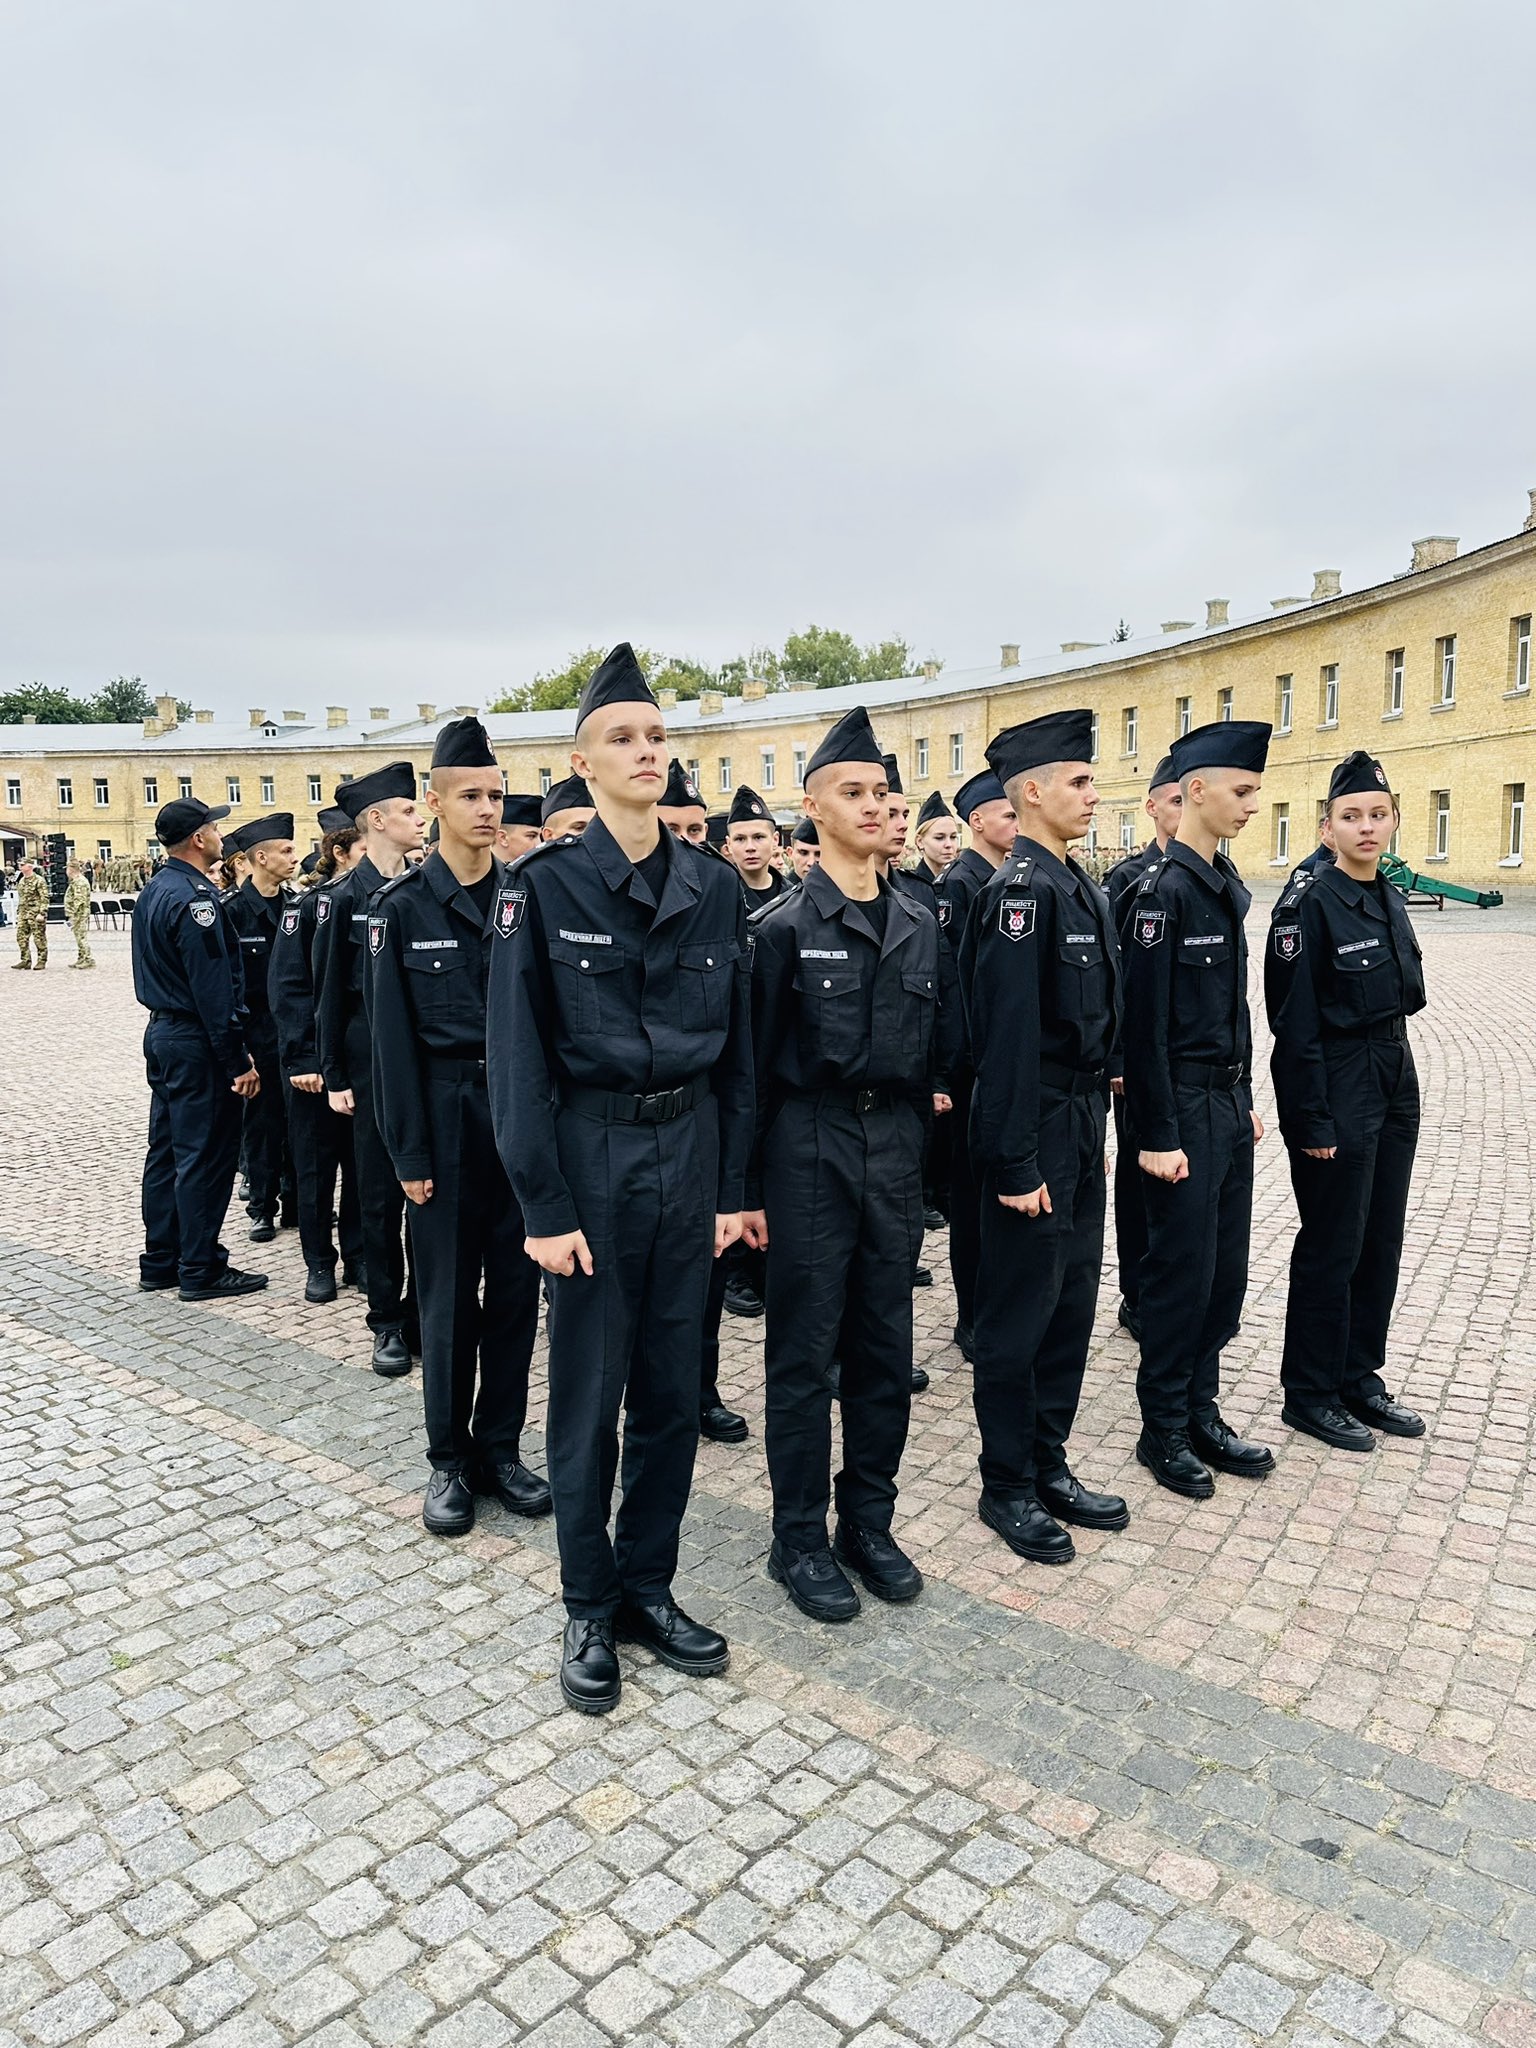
(1163, 773)
(852, 738)
(179, 819)
(1358, 774)
(278, 826)
(308, 864)
(981, 789)
(1058, 736)
(716, 824)
(805, 832)
(333, 819)
(570, 795)
(747, 808)
(617, 680)
(934, 806)
(1229, 743)
(398, 779)
(892, 775)
(521, 810)
(463, 743)
(682, 792)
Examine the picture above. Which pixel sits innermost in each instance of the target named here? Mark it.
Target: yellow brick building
(1431, 671)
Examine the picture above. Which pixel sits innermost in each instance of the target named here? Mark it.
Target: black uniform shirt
(957, 889)
(755, 900)
(429, 951)
(1342, 956)
(186, 959)
(1185, 965)
(1039, 971)
(602, 987)
(836, 1006)
(1120, 886)
(341, 924)
(255, 919)
(291, 984)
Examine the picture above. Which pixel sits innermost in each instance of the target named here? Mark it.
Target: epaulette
(757, 917)
(388, 888)
(1294, 890)
(1150, 876)
(544, 846)
(1020, 870)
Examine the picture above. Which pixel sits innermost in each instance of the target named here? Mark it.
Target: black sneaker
(1329, 1425)
(922, 1277)
(1380, 1411)
(965, 1342)
(874, 1557)
(815, 1581)
(230, 1283)
(1129, 1320)
(935, 1219)
(1027, 1528)
(151, 1285)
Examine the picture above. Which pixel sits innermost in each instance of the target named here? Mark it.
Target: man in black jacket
(431, 932)
(255, 910)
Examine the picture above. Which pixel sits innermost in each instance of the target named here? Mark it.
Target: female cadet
(1342, 972)
(937, 838)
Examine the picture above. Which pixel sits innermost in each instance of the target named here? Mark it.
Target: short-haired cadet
(521, 828)
(255, 912)
(1188, 1048)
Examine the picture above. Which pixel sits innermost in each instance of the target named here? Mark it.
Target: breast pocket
(1203, 987)
(589, 983)
(1366, 989)
(1080, 982)
(706, 970)
(438, 981)
(920, 995)
(831, 1013)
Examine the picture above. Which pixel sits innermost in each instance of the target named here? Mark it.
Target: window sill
(1435, 709)
(1281, 860)
(1282, 732)
(1390, 714)
(1431, 858)
(1328, 725)
(1524, 691)
(1512, 860)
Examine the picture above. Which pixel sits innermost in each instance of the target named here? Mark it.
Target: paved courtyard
(276, 1767)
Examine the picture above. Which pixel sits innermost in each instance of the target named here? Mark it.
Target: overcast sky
(356, 351)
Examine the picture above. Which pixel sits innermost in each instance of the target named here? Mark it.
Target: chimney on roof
(293, 718)
(1430, 553)
(667, 699)
(165, 711)
(753, 689)
(335, 717)
(711, 703)
(1530, 517)
(930, 671)
(29, 718)
(1079, 646)
(257, 718)
(1285, 604)
(1178, 625)
(202, 718)
(1216, 611)
(378, 714)
(426, 713)
(801, 683)
(1010, 654)
(1325, 583)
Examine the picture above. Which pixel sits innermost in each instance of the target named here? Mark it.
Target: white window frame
(183, 786)
(151, 789)
(66, 784)
(724, 765)
(546, 781)
(957, 753)
(1514, 844)
(1127, 832)
(1446, 649)
(1521, 681)
(1285, 702)
(102, 789)
(922, 760)
(13, 792)
(1330, 695)
(1186, 715)
(693, 774)
(1282, 834)
(315, 788)
(103, 849)
(768, 765)
(1129, 724)
(1441, 816)
(1224, 706)
(232, 789)
(1397, 670)
(269, 789)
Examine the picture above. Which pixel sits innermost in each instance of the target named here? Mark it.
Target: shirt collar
(1358, 895)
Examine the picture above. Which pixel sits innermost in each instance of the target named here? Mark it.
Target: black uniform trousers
(1195, 1274)
(194, 1141)
(629, 1337)
(380, 1197)
(709, 1347)
(843, 1195)
(321, 1145)
(1345, 1261)
(264, 1134)
(964, 1206)
(1035, 1302)
(1130, 1211)
(471, 1232)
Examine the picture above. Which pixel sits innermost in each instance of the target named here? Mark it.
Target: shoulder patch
(203, 913)
(377, 926)
(1151, 925)
(290, 922)
(322, 906)
(510, 905)
(1287, 938)
(944, 910)
(1015, 915)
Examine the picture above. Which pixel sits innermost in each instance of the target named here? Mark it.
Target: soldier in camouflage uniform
(77, 908)
(31, 917)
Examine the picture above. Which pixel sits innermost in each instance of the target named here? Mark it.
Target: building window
(314, 789)
(922, 753)
(1224, 706)
(725, 774)
(1440, 824)
(1514, 822)
(1328, 694)
(151, 790)
(1224, 848)
(1520, 654)
(1281, 835)
(1093, 738)
(799, 767)
(1184, 716)
(103, 793)
(546, 781)
(693, 774)
(1091, 840)
(768, 765)
(13, 792)
(1284, 703)
(66, 793)
(1128, 730)
(183, 785)
(1127, 831)
(957, 753)
(232, 789)
(268, 790)
(424, 783)
(1445, 664)
(1394, 696)
(103, 849)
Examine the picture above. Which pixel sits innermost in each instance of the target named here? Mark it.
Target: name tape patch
(587, 938)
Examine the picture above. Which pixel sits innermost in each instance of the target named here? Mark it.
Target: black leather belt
(1383, 1027)
(664, 1107)
(173, 1017)
(1072, 1080)
(1204, 1074)
(454, 1063)
(862, 1101)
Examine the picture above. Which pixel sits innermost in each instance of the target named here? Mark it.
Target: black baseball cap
(179, 819)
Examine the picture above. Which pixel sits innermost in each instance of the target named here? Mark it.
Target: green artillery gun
(1430, 891)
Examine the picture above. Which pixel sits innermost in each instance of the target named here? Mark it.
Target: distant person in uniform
(566, 810)
(682, 809)
(31, 918)
(751, 841)
(804, 848)
(937, 838)
(521, 824)
(255, 911)
(77, 908)
(186, 973)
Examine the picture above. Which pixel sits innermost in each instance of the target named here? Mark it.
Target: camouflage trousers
(32, 930)
(80, 925)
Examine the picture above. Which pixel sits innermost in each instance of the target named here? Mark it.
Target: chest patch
(322, 909)
(290, 923)
(377, 926)
(946, 911)
(1356, 946)
(510, 905)
(1287, 941)
(1016, 917)
(1151, 926)
(203, 914)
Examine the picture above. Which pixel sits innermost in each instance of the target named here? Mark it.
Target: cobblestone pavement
(276, 1767)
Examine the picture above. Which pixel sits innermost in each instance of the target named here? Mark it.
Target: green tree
(559, 689)
(123, 701)
(48, 706)
(827, 658)
(1121, 632)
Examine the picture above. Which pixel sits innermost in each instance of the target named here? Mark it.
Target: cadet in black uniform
(186, 973)
(522, 819)
(621, 1093)
(567, 810)
(431, 932)
(255, 910)
(1039, 972)
(1189, 1111)
(384, 805)
(1342, 972)
(319, 1140)
(682, 809)
(845, 987)
(937, 838)
(804, 848)
(1165, 801)
(984, 805)
(751, 839)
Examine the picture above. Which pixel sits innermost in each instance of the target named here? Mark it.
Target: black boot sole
(392, 1372)
(726, 1436)
(1206, 1492)
(605, 1705)
(781, 1578)
(881, 1589)
(1232, 1468)
(1025, 1550)
(524, 1513)
(448, 1529)
(156, 1286)
(691, 1667)
(1304, 1428)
